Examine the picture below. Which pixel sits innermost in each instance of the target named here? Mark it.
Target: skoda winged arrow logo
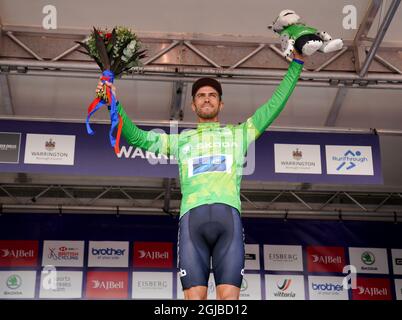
(244, 285)
(368, 258)
(14, 282)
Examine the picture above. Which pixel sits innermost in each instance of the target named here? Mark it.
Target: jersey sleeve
(155, 142)
(254, 126)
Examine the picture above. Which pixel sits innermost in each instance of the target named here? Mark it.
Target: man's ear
(221, 105)
(193, 106)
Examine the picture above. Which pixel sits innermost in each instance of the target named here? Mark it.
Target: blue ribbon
(107, 75)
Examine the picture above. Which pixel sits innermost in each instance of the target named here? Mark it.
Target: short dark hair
(202, 82)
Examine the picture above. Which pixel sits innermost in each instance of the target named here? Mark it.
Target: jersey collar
(208, 125)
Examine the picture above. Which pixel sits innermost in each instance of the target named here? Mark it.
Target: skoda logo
(244, 285)
(14, 282)
(368, 258)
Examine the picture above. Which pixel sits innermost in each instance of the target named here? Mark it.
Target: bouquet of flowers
(115, 52)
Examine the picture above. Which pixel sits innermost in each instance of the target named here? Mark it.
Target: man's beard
(203, 115)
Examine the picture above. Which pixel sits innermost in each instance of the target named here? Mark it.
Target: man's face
(207, 103)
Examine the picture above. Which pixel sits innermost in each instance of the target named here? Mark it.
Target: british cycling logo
(350, 160)
(63, 253)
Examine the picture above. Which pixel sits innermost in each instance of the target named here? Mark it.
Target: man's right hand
(100, 87)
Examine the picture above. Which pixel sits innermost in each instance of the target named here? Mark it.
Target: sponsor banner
(252, 257)
(152, 285)
(327, 288)
(369, 260)
(250, 287)
(63, 253)
(16, 284)
(10, 147)
(107, 285)
(108, 254)
(18, 253)
(50, 149)
(325, 259)
(398, 289)
(349, 160)
(297, 158)
(284, 287)
(283, 258)
(397, 261)
(153, 255)
(60, 284)
(372, 289)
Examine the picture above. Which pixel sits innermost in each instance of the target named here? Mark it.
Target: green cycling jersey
(211, 157)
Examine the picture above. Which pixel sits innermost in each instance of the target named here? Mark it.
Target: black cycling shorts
(211, 230)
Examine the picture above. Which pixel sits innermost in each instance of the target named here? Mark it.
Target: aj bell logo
(153, 255)
(373, 292)
(326, 259)
(107, 285)
(17, 253)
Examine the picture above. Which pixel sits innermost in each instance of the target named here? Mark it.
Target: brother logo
(108, 252)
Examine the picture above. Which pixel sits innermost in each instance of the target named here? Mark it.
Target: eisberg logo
(153, 254)
(328, 287)
(108, 252)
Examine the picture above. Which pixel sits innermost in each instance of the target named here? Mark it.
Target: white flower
(132, 44)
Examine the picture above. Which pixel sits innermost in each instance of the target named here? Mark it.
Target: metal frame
(183, 56)
(165, 199)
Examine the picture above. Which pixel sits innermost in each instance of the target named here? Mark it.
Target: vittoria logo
(285, 285)
(14, 282)
(297, 155)
(50, 145)
(284, 289)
